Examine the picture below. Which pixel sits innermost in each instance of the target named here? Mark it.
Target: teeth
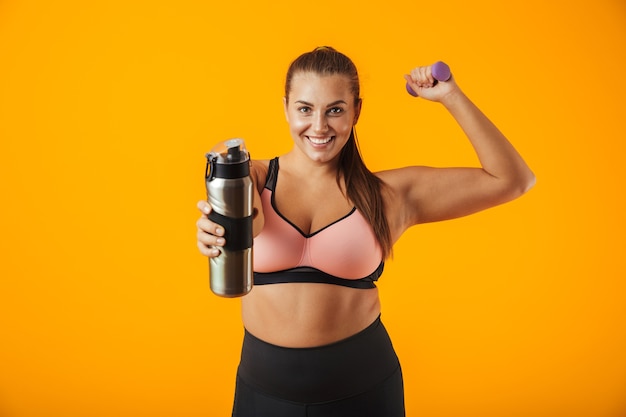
(320, 141)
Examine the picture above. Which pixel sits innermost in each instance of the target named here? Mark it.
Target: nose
(320, 124)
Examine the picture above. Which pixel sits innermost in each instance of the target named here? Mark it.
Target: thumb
(411, 87)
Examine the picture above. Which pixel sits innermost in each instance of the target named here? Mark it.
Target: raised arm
(424, 194)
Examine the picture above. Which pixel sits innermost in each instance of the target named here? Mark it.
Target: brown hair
(363, 188)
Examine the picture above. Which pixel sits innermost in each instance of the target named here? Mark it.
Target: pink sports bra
(345, 252)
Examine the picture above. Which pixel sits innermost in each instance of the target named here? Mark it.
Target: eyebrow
(334, 103)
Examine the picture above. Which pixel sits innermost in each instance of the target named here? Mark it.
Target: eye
(335, 111)
(304, 109)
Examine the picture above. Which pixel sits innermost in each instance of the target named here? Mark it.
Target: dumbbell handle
(440, 71)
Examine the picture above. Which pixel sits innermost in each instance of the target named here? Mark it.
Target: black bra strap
(272, 174)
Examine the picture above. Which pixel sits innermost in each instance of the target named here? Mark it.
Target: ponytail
(364, 189)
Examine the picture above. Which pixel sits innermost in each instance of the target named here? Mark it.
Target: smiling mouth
(320, 141)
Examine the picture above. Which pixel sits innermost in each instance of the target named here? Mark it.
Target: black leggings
(359, 376)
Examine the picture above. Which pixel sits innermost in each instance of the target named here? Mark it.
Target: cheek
(344, 127)
(298, 125)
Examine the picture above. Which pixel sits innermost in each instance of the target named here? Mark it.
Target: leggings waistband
(318, 374)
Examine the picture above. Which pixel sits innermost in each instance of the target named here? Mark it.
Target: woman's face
(321, 113)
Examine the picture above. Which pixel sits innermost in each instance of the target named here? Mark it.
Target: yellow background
(107, 109)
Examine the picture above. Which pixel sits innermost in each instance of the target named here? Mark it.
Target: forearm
(496, 154)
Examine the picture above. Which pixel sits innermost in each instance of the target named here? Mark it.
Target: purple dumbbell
(440, 71)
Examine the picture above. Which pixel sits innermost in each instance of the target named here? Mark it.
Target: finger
(208, 244)
(204, 207)
(209, 239)
(423, 76)
(207, 226)
(426, 77)
(410, 80)
(418, 74)
(208, 251)
(210, 227)
(428, 72)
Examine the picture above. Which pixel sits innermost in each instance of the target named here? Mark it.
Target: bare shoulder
(260, 166)
(258, 172)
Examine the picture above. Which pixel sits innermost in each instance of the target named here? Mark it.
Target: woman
(314, 344)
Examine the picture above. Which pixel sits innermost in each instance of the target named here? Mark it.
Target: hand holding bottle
(210, 235)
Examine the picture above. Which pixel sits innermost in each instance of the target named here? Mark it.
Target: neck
(305, 166)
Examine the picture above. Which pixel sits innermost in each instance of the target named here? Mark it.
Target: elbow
(528, 182)
(522, 184)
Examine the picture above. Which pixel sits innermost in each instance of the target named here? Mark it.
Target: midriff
(306, 315)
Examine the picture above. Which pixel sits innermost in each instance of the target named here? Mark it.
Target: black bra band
(313, 275)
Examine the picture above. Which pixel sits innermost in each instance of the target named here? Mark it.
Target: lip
(320, 140)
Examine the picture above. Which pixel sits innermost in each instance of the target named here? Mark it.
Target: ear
(357, 110)
(285, 108)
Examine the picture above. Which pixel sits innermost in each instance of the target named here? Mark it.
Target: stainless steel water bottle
(229, 191)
